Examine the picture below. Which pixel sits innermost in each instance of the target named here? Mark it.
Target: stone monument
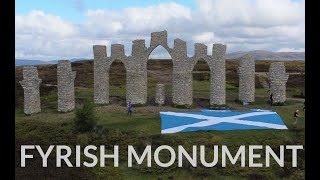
(30, 85)
(65, 79)
(136, 70)
(160, 94)
(246, 73)
(278, 78)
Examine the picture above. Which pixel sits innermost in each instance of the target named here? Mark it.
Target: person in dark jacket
(295, 116)
(271, 99)
(129, 108)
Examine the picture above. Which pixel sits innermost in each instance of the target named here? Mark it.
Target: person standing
(271, 99)
(296, 115)
(129, 108)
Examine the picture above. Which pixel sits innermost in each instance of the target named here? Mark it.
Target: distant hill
(258, 54)
(24, 62)
(268, 55)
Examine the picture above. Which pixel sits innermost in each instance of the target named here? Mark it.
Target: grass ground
(143, 128)
(114, 127)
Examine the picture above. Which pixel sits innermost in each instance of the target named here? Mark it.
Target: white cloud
(137, 19)
(261, 13)
(241, 25)
(44, 36)
(37, 23)
(291, 50)
(204, 37)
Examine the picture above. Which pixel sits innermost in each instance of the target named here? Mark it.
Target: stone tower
(30, 85)
(278, 78)
(246, 73)
(101, 75)
(65, 78)
(160, 94)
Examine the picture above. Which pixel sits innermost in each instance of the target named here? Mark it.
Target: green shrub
(85, 119)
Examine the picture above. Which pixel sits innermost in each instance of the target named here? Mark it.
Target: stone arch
(216, 64)
(117, 78)
(136, 70)
(201, 82)
(152, 48)
(102, 65)
(159, 39)
(159, 74)
(117, 53)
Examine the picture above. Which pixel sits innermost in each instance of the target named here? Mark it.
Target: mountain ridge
(258, 54)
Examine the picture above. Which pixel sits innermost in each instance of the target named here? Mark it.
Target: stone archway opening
(117, 82)
(201, 84)
(159, 71)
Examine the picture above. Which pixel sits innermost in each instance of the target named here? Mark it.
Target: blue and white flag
(173, 122)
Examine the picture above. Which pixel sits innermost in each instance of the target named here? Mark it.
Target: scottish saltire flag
(174, 122)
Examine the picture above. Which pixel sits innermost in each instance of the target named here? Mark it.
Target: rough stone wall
(246, 72)
(30, 85)
(278, 78)
(136, 87)
(101, 75)
(181, 74)
(160, 94)
(65, 78)
(136, 68)
(216, 63)
(137, 73)
(218, 75)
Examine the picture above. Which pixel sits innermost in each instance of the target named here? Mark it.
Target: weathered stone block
(182, 88)
(99, 52)
(200, 50)
(138, 48)
(30, 85)
(159, 38)
(136, 87)
(117, 51)
(219, 51)
(246, 73)
(278, 78)
(101, 75)
(218, 76)
(179, 50)
(65, 78)
(160, 94)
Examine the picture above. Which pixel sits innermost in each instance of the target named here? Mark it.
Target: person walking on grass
(271, 99)
(296, 115)
(129, 108)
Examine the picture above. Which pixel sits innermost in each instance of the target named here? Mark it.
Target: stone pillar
(117, 51)
(136, 87)
(139, 48)
(30, 85)
(65, 78)
(218, 76)
(101, 75)
(246, 73)
(159, 38)
(182, 88)
(278, 78)
(200, 50)
(181, 74)
(160, 94)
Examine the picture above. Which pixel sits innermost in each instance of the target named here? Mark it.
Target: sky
(66, 29)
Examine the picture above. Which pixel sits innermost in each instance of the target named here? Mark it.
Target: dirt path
(296, 99)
